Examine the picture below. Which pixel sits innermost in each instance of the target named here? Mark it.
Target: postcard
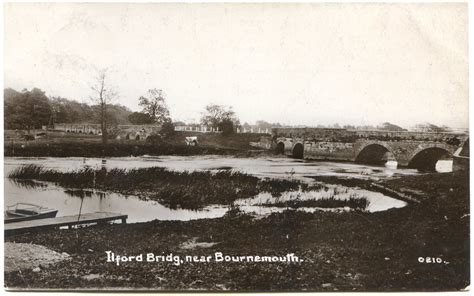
(236, 147)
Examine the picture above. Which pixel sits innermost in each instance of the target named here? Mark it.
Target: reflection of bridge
(419, 150)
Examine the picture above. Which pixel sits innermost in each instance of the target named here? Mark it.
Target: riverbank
(350, 251)
(61, 144)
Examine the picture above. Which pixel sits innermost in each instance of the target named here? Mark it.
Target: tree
(32, 109)
(215, 115)
(179, 123)
(387, 126)
(429, 127)
(263, 124)
(365, 127)
(103, 95)
(119, 112)
(446, 129)
(153, 104)
(10, 99)
(167, 129)
(70, 111)
(246, 126)
(140, 118)
(226, 126)
(27, 109)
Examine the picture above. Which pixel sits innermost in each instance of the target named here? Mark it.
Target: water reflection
(81, 193)
(444, 166)
(29, 184)
(68, 201)
(272, 167)
(376, 201)
(71, 201)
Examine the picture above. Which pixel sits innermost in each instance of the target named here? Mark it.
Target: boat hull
(9, 218)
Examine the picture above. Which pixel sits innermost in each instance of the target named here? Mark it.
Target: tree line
(32, 109)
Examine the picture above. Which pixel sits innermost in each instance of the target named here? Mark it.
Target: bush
(28, 137)
(167, 129)
(154, 139)
(226, 126)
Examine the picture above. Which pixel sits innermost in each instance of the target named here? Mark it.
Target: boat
(26, 211)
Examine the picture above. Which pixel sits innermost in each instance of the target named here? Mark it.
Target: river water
(139, 210)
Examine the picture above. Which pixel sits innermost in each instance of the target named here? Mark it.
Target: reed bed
(355, 203)
(176, 189)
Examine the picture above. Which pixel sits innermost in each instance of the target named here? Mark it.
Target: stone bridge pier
(408, 149)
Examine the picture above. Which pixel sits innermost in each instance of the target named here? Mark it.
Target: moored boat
(26, 211)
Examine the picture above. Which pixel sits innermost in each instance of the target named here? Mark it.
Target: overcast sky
(291, 63)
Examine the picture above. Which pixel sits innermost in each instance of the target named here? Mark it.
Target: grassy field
(61, 144)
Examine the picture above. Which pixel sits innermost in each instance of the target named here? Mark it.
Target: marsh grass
(355, 203)
(175, 189)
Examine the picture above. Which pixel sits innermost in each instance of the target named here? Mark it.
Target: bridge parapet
(351, 136)
(413, 149)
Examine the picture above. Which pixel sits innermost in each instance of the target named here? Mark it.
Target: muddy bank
(349, 251)
(434, 190)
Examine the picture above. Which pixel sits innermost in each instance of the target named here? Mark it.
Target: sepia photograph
(236, 147)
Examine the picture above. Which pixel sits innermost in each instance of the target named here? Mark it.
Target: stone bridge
(419, 150)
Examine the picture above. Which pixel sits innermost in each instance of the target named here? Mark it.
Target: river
(139, 210)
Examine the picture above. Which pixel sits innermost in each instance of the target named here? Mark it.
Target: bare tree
(103, 95)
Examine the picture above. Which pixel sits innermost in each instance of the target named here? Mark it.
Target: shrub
(226, 126)
(167, 129)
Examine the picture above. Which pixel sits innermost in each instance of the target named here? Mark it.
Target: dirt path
(20, 256)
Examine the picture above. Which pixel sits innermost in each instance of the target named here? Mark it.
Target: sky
(299, 64)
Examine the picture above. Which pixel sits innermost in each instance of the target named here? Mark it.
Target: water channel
(140, 210)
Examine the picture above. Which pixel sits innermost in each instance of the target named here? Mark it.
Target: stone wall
(351, 136)
(121, 132)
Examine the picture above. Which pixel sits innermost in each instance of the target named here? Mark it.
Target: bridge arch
(280, 148)
(298, 151)
(374, 153)
(426, 159)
